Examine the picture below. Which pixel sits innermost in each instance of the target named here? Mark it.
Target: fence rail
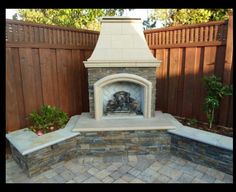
(212, 33)
(47, 35)
(44, 65)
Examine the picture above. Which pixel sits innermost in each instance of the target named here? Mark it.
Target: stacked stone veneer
(115, 143)
(97, 143)
(123, 142)
(202, 153)
(95, 74)
(42, 160)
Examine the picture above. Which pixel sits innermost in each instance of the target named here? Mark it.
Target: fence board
(173, 80)
(37, 76)
(63, 79)
(180, 72)
(188, 82)
(48, 74)
(160, 79)
(12, 115)
(28, 80)
(164, 80)
(197, 81)
(18, 86)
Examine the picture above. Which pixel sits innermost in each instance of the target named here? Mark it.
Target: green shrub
(191, 122)
(47, 119)
(215, 91)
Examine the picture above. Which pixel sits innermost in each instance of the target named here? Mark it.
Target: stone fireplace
(121, 72)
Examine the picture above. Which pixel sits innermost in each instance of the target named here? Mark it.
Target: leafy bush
(215, 91)
(192, 122)
(47, 119)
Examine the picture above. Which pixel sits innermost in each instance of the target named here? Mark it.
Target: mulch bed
(227, 131)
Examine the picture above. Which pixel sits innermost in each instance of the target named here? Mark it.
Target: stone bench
(36, 154)
(202, 147)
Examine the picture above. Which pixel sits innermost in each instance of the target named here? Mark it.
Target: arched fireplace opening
(122, 95)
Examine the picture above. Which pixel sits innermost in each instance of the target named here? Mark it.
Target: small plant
(191, 122)
(215, 91)
(47, 119)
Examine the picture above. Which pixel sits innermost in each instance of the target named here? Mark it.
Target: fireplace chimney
(122, 71)
(121, 43)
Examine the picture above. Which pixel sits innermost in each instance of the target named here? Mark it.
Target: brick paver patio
(164, 168)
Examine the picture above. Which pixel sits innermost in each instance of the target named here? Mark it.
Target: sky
(142, 13)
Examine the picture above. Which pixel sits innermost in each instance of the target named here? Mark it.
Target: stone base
(37, 154)
(113, 143)
(41, 160)
(202, 153)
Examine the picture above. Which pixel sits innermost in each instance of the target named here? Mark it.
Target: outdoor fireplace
(121, 72)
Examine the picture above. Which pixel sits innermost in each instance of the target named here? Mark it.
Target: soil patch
(227, 131)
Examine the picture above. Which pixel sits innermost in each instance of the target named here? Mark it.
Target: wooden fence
(188, 53)
(44, 66)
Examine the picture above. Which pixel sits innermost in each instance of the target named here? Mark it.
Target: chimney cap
(119, 19)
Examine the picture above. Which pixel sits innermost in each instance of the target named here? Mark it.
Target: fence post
(225, 104)
(229, 49)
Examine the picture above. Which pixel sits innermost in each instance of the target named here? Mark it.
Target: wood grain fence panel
(159, 85)
(208, 69)
(164, 80)
(220, 58)
(206, 35)
(14, 54)
(183, 36)
(77, 81)
(171, 37)
(37, 77)
(187, 36)
(180, 74)
(228, 68)
(179, 36)
(48, 74)
(12, 114)
(70, 80)
(201, 34)
(55, 76)
(209, 60)
(197, 81)
(173, 80)
(63, 81)
(45, 33)
(188, 82)
(9, 32)
(28, 80)
(199, 88)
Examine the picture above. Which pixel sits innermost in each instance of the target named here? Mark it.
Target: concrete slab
(86, 123)
(200, 135)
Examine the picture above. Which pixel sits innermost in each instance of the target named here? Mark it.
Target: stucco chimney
(121, 43)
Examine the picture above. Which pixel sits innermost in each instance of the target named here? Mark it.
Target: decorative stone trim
(120, 19)
(98, 89)
(89, 64)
